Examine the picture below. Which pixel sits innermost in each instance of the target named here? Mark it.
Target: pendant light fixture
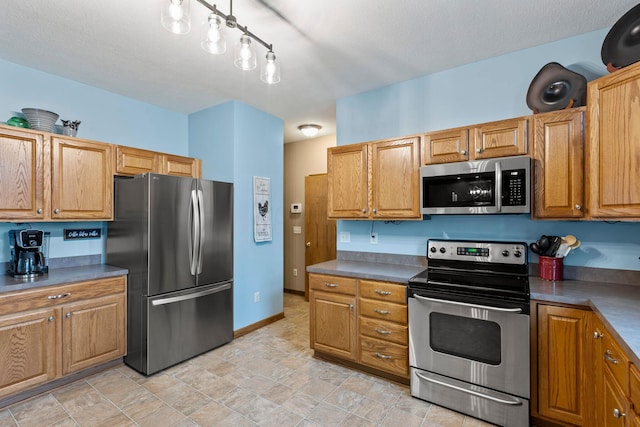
(175, 17)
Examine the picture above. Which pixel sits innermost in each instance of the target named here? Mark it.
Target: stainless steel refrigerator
(175, 235)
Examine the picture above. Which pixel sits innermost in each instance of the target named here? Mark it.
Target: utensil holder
(550, 268)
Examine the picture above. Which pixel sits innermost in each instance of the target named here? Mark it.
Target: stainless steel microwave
(491, 186)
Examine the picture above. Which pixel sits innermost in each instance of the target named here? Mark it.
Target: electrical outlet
(295, 272)
(256, 297)
(373, 238)
(345, 237)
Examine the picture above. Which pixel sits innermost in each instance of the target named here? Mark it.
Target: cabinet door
(451, 145)
(613, 154)
(23, 175)
(93, 332)
(333, 324)
(395, 179)
(562, 363)
(181, 166)
(500, 139)
(347, 182)
(27, 350)
(558, 146)
(133, 161)
(82, 179)
(616, 408)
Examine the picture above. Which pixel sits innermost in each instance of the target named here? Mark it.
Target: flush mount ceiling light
(176, 18)
(310, 130)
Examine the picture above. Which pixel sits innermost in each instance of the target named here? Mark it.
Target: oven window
(472, 339)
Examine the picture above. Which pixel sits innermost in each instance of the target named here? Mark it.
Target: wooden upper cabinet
(395, 179)
(133, 161)
(500, 139)
(347, 181)
(23, 173)
(558, 151)
(377, 180)
(445, 146)
(613, 145)
(181, 166)
(564, 366)
(81, 179)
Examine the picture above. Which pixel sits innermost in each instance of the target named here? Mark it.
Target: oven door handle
(464, 304)
(514, 402)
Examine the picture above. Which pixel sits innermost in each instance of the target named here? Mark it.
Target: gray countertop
(61, 276)
(618, 306)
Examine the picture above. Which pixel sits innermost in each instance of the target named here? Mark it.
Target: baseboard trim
(255, 326)
(294, 292)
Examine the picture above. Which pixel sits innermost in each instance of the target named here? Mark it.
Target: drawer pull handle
(383, 356)
(59, 296)
(618, 414)
(383, 293)
(330, 285)
(383, 312)
(382, 331)
(608, 357)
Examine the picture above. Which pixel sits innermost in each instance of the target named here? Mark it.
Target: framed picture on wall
(261, 209)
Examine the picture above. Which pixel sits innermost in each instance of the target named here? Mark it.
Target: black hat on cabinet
(556, 88)
(621, 46)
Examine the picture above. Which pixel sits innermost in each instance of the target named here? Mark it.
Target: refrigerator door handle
(191, 295)
(202, 230)
(193, 233)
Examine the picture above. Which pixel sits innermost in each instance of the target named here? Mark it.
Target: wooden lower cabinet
(616, 407)
(360, 321)
(49, 332)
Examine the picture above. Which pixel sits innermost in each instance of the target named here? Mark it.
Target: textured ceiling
(329, 48)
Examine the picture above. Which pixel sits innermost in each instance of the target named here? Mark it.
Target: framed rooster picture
(261, 209)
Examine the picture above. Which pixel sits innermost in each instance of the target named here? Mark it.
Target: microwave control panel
(514, 192)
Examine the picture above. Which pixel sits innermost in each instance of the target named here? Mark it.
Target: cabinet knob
(50, 318)
(478, 150)
(463, 152)
(597, 335)
(68, 315)
(39, 210)
(375, 210)
(578, 207)
(56, 211)
(618, 414)
(308, 244)
(364, 211)
(351, 307)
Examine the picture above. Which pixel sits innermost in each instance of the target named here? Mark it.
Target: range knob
(442, 250)
(505, 253)
(433, 249)
(517, 253)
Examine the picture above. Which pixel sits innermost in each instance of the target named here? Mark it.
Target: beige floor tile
(344, 398)
(6, 419)
(90, 408)
(371, 410)
(278, 394)
(318, 389)
(474, 422)
(412, 405)
(280, 417)
(39, 411)
(212, 414)
(139, 404)
(398, 417)
(327, 415)
(163, 416)
(355, 421)
(442, 417)
(301, 404)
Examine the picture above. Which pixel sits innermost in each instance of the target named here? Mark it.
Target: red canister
(550, 268)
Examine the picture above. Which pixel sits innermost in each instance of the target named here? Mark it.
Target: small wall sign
(82, 233)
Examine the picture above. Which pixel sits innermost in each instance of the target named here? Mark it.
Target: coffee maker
(27, 259)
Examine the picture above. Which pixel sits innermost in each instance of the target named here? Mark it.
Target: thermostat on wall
(296, 207)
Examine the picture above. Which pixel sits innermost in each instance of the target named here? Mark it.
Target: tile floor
(266, 378)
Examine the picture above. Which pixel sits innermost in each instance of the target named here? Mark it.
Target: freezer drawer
(181, 325)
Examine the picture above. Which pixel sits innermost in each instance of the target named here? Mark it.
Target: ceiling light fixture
(176, 18)
(310, 130)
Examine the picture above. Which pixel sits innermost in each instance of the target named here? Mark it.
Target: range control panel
(491, 252)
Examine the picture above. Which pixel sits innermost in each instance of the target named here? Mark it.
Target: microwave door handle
(464, 304)
(498, 194)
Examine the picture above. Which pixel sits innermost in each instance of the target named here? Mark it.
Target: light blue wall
(105, 117)
(484, 91)
(238, 142)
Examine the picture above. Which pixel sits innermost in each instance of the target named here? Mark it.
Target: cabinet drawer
(616, 361)
(384, 355)
(49, 296)
(634, 388)
(387, 331)
(383, 291)
(341, 285)
(384, 310)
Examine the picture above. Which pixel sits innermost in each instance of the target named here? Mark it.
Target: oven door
(478, 344)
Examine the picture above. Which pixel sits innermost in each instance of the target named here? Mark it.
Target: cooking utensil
(535, 248)
(555, 242)
(569, 239)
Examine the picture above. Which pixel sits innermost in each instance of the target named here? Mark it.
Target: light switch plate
(297, 229)
(345, 237)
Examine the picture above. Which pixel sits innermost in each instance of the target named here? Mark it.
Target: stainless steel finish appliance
(27, 259)
(469, 330)
(491, 186)
(175, 235)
